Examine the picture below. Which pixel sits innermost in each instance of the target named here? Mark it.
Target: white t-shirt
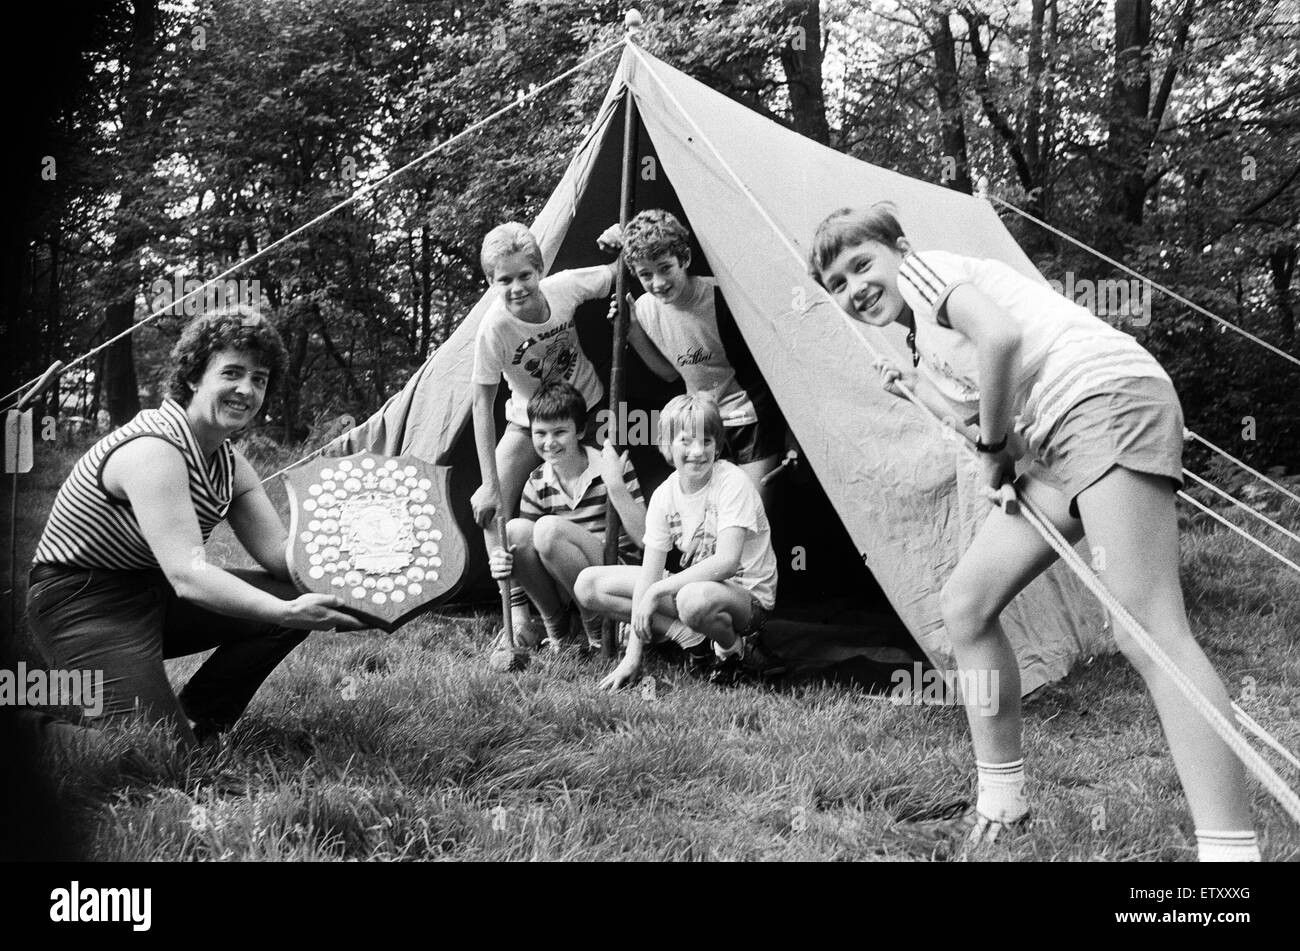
(691, 523)
(528, 355)
(686, 333)
(1066, 353)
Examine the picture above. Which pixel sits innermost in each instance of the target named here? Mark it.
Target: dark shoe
(759, 662)
(752, 663)
(731, 670)
(207, 730)
(700, 659)
(728, 672)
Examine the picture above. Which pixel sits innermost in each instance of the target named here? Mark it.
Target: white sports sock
(682, 635)
(722, 653)
(519, 606)
(1002, 791)
(1227, 846)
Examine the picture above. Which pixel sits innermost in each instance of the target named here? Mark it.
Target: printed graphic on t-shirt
(557, 360)
(694, 356)
(704, 543)
(940, 365)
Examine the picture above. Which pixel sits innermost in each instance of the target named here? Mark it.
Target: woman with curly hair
(119, 581)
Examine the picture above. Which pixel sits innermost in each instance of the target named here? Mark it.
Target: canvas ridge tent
(905, 493)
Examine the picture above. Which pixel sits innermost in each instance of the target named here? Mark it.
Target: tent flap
(753, 193)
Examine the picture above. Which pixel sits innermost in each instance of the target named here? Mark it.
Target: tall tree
(801, 60)
(952, 116)
(121, 387)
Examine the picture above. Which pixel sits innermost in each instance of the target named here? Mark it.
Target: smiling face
(556, 440)
(665, 277)
(518, 281)
(694, 452)
(863, 279)
(230, 393)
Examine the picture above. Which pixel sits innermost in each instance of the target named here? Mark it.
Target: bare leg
(1006, 555)
(515, 460)
(714, 609)
(608, 590)
(565, 549)
(756, 470)
(529, 571)
(1133, 530)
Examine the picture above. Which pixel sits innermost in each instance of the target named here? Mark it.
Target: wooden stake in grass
(511, 656)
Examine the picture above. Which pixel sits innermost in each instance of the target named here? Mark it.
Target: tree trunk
(801, 58)
(1282, 262)
(54, 324)
(1129, 135)
(291, 401)
(952, 123)
(426, 292)
(121, 388)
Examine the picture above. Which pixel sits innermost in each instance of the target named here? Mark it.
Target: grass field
(406, 747)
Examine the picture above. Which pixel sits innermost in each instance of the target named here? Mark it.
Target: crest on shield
(375, 532)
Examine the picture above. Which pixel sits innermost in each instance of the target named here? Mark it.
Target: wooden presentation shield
(375, 532)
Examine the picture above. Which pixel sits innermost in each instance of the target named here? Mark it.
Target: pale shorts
(1137, 423)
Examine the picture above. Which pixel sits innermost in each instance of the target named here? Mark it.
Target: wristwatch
(990, 448)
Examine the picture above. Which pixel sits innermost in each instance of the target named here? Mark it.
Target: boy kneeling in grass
(1100, 425)
(712, 514)
(561, 525)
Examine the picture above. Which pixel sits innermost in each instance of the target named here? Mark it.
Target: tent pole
(608, 648)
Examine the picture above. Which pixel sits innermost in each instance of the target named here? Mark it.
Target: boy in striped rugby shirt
(1100, 427)
(561, 525)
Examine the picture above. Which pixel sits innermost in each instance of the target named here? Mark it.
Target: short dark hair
(558, 400)
(237, 327)
(851, 226)
(654, 233)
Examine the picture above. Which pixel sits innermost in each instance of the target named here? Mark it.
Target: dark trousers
(126, 623)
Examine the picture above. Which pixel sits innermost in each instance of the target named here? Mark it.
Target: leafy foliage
(1175, 154)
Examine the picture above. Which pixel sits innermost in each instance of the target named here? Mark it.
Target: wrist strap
(990, 448)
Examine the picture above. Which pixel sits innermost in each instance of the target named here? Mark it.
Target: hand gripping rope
(1218, 722)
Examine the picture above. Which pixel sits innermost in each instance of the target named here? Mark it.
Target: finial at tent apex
(632, 21)
(982, 187)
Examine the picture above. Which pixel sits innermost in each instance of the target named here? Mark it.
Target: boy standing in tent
(561, 525)
(1101, 426)
(680, 329)
(712, 514)
(526, 336)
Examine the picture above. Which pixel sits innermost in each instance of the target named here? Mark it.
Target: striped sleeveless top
(88, 528)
